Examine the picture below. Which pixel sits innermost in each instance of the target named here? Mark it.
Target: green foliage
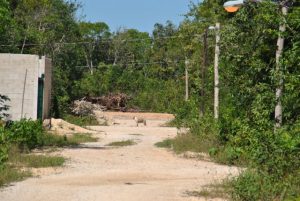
(3, 151)
(82, 138)
(245, 132)
(25, 133)
(187, 142)
(212, 191)
(151, 70)
(259, 185)
(81, 121)
(109, 79)
(10, 174)
(4, 14)
(3, 107)
(52, 140)
(36, 161)
(167, 143)
(187, 114)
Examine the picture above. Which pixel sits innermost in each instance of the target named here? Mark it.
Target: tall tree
(92, 35)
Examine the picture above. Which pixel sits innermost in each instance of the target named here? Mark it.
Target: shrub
(3, 147)
(3, 106)
(167, 143)
(26, 134)
(259, 185)
(186, 114)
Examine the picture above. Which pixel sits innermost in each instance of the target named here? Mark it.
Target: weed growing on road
(64, 141)
(137, 134)
(167, 143)
(82, 138)
(122, 143)
(183, 143)
(212, 191)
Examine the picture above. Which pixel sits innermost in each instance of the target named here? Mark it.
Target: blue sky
(138, 14)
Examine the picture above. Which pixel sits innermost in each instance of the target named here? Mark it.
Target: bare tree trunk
(23, 45)
(280, 46)
(203, 71)
(92, 67)
(216, 73)
(116, 58)
(88, 64)
(186, 81)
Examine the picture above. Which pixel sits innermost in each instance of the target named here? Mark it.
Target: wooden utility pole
(186, 80)
(216, 72)
(203, 71)
(279, 88)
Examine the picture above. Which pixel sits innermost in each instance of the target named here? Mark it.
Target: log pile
(85, 108)
(116, 102)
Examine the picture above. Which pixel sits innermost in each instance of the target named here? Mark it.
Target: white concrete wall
(13, 69)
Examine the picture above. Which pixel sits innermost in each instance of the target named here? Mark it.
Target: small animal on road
(140, 120)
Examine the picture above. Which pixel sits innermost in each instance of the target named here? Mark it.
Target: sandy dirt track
(141, 172)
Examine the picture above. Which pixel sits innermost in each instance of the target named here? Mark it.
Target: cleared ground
(131, 173)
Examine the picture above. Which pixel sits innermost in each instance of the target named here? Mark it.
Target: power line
(142, 63)
(95, 42)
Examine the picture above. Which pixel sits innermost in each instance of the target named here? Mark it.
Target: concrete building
(27, 81)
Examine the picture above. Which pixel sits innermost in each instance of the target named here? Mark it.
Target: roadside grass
(81, 121)
(213, 191)
(52, 140)
(18, 159)
(183, 143)
(41, 161)
(15, 169)
(122, 143)
(9, 174)
(193, 143)
(167, 143)
(82, 138)
(171, 123)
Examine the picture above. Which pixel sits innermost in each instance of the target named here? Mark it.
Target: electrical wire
(95, 42)
(142, 63)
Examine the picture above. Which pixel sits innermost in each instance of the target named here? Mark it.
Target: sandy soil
(141, 172)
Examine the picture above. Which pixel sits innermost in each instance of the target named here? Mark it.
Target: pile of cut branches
(116, 101)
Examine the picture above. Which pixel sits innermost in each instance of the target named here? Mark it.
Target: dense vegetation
(90, 60)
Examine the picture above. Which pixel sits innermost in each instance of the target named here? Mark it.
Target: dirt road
(141, 172)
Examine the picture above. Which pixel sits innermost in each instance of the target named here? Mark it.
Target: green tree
(93, 34)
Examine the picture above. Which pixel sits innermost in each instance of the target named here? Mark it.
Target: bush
(3, 147)
(259, 185)
(3, 155)
(275, 162)
(187, 114)
(26, 134)
(3, 106)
